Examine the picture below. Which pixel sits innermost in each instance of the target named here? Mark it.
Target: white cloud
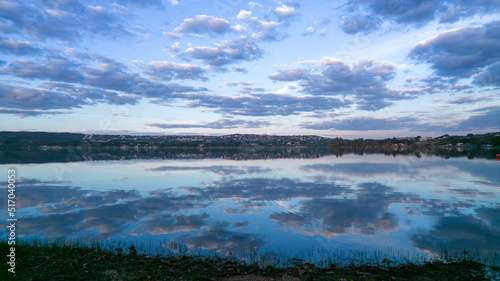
(244, 14)
(284, 11)
(253, 4)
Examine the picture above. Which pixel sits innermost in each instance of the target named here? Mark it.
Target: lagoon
(300, 205)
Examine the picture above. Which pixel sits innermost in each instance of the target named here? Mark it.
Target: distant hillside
(39, 138)
(23, 139)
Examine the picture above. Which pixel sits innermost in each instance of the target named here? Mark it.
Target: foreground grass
(59, 261)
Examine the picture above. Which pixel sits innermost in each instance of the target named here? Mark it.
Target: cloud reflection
(456, 233)
(368, 211)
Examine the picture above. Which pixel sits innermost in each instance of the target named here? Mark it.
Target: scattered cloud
(166, 223)
(37, 99)
(461, 52)
(225, 53)
(166, 71)
(66, 21)
(366, 81)
(162, 92)
(23, 113)
(309, 31)
(240, 69)
(435, 84)
(203, 24)
(284, 12)
(218, 124)
(267, 30)
(291, 74)
(368, 15)
(267, 104)
(55, 68)
(111, 75)
(359, 23)
(468, 99)
(254, 4)
(14, 47)
(243, 14)
(363, 123)
(487, 119)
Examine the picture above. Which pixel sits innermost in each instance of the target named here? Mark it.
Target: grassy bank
(61, 261)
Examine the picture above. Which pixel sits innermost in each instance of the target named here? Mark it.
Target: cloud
(64, 20)
(291, 74)
(91, 94)
(480, 120)
(219, 170)
(366, 81)
(225, 53)
(161, 92)
(368, 15)
(434, 84)
(240, 69)
(203, 24)
(457, 10)
(38, 99)
(250, 90)
(109, 75)
(166, 223)
(254, 4)
(456, 233)
(68, 211)
(164, 70)
(23, 113)
(470, 99)
(487, 119)
(368, 212)
(266, 30)
(461, 52)
(267, 104)
(255, 190)
(218, 237)
(243, 14)
(152, 3)
(55, 68)
(489, 77)
(284, 12)
(358, 169)
(364, 123)
(70, 83)
(14, 47)
(23, 101)
(359, 23)
(309, 31)
(218, 124)
(236, 83)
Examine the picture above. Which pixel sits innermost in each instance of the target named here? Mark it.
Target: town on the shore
(49, 139)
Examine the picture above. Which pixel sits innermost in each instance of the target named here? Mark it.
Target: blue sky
(364, 68)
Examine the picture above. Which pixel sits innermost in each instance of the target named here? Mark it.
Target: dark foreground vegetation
(60, 261)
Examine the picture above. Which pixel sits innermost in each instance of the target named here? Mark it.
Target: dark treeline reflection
(72, 154)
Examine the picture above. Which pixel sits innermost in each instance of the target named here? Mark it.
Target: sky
(361, 68)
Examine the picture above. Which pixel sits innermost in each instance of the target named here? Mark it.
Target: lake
(276, 203)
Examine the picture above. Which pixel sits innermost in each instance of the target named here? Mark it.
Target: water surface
(406, 203)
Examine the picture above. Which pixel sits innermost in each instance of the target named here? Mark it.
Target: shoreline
(71, 261)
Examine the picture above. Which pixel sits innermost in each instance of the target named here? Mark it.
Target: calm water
(285, 205)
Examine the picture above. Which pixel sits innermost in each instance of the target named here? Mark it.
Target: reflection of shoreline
(71, 154)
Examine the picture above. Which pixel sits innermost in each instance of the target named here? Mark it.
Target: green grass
(61, 260)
